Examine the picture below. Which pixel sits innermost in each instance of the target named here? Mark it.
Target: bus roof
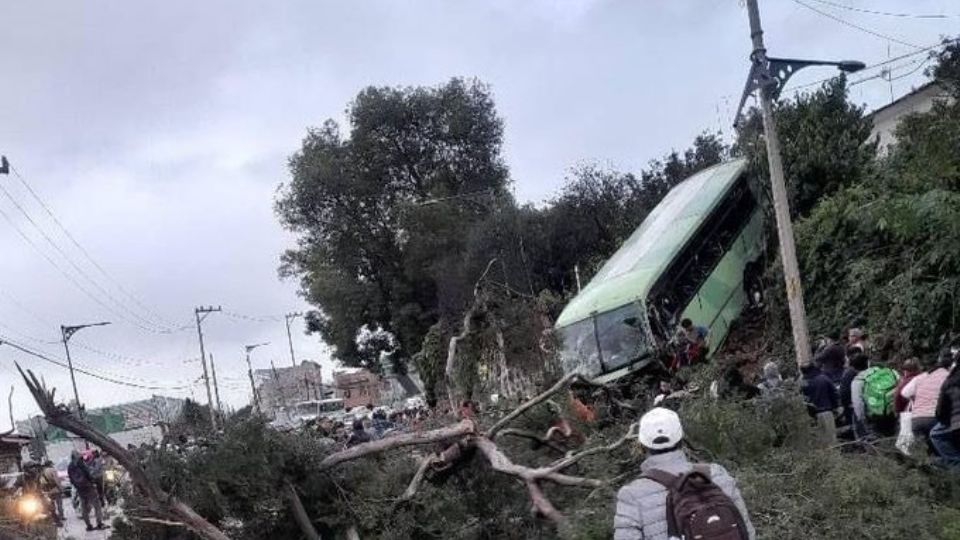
(630, 273)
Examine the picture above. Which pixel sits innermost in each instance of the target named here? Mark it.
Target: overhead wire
(52, 262)
(83, 250)
(80, 271)
(879, 64)
(883, 13)
(854, 25)
(5, 340)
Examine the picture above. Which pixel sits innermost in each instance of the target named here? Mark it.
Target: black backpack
(697, 509)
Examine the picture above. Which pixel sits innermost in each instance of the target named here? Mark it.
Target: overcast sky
(158, 133)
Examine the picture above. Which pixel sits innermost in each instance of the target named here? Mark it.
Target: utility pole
(203, 357)
(216, 387)
(13, 425)
(287, 318)
(769, 75)
(66, 332)
(253, 386)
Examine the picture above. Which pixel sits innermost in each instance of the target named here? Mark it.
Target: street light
(67, 332)
(253, 387)
(769, 76)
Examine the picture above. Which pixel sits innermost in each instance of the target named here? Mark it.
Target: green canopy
(630, 273)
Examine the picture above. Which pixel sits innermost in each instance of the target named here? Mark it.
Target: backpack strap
(704, 469)
(663, 478)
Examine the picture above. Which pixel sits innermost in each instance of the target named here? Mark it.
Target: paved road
(77, 530)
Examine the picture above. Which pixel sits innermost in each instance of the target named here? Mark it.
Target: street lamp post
(253, 387)
(67, 332)
(769, 76)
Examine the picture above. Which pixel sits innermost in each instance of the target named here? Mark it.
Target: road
(75, 529)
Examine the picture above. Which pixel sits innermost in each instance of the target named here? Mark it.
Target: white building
(886, 118)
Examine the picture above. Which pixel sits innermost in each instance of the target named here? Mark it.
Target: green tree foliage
(886, 249)
(823, 140)
(373, 215)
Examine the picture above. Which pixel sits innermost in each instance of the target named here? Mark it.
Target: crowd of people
(372, 424)
(848, 387)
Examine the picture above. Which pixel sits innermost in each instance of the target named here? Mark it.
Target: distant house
(359, 388)
(886, 118)
(284, 386)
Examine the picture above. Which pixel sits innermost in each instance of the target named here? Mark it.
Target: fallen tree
(162, 505)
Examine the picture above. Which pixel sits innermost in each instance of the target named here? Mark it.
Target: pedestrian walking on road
(51, 485)
(83, 484)
(675, 498)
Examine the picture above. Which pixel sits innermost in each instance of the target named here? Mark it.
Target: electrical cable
(880, 64)
(53, 263)
(80, 271)
(253, 318)
(884, 13)
(7, 341)
(854, 25)
(83, 250)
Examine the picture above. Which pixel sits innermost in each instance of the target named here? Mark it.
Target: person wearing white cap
(704, 501)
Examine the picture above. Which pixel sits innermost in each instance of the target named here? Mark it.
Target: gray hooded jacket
(642, 504)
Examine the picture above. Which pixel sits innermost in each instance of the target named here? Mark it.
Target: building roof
(630, 273)
(909, 95)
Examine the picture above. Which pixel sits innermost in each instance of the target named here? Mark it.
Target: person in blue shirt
(696, 337)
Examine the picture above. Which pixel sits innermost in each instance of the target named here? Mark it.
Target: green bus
(697, 256)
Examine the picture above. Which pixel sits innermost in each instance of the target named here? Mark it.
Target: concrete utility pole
(253, 386)
(67, 332)
(204, 311)
(13, 425)
(216, 387)
(287, 318)
(769, 75)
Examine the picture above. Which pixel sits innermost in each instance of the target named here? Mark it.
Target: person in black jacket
(86, 488)
(945, 435)
(858, 362)
(831, 358)
(822, 400)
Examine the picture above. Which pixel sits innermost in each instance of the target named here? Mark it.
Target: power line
(854, 25)
(253, 318)
(884, 13)
(79, 270)
(52, 262)
(45, 358)
(880, 64)
(83, 250)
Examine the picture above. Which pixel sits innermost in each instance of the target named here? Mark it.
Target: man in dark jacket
(822, 400)
(359, 435)
(945, 435)
(83, 483)
(858, 363)
(831, 358)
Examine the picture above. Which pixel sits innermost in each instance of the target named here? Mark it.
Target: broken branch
(464, 427)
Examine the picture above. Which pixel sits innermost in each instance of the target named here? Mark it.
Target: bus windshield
(604, 342)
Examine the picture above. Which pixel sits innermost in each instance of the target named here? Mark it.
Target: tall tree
(380, 214)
